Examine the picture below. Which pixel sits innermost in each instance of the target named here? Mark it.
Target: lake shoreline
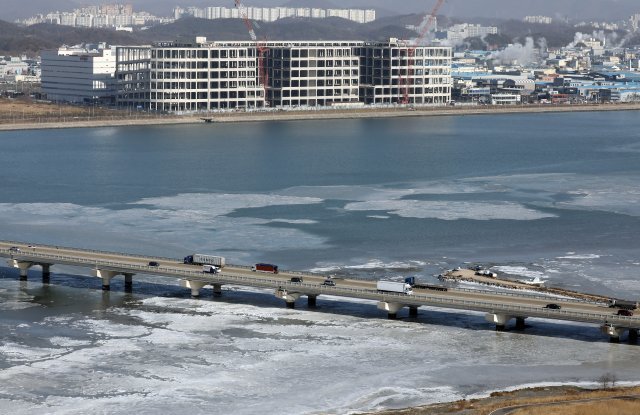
(302, 115)
(562, 396)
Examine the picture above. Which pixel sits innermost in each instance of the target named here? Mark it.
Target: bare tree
(608, 379)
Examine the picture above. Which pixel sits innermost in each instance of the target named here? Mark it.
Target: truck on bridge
(265, 268)
(394, 287)
(200, 259)
(623, 304)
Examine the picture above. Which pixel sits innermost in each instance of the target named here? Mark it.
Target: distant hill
(15, 40)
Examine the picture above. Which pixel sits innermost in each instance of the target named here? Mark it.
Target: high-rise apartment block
(270, 14)
(538, 19)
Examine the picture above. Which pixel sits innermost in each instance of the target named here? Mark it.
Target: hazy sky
(580, 9)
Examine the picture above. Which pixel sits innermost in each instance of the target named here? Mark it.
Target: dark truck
(623, 304)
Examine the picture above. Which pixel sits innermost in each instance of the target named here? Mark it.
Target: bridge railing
(228, 277)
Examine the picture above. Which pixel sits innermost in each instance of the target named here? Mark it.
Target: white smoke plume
(610, 39)
(517, 54)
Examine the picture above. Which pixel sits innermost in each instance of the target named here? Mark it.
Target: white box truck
(394, 287)
(200, 259)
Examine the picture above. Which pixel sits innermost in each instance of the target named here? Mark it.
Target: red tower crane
(411, 51)
(261, 48)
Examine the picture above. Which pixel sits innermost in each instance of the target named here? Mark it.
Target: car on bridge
(154, 264)
(553, 306)
(329, 283)
(296, 279)
(623, 312)
(14, 249)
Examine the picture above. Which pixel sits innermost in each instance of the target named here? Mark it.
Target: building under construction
(211, 75)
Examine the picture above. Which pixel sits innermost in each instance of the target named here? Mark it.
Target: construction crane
(261, 48)
(427, 24)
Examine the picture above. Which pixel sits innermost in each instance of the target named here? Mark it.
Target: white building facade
(205, 75)
(79, 74)
(398, 72)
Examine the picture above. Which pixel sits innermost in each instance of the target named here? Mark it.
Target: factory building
(215, 75)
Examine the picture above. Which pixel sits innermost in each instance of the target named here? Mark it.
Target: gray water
(548, 195)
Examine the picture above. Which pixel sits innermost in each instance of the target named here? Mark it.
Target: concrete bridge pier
(391, 308)
(46, 273)
(128, 283)
(287, 296)
(633, 336)
(500, 320)
(311, 300)
(520, 323)
(22, 265)
(195, 286)
(106, 277)
(413, 311)
(613, 332)
(217, 289)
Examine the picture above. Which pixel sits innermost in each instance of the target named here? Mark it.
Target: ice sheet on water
(579, 191)
(166, 216)
(518, 270)
(573, 255)
(295, 221)
(451, 210)
(218, 204)
(379, 264)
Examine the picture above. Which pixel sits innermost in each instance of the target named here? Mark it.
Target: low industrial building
(79, 74)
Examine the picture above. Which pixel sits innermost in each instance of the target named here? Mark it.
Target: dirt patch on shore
(470, 276)
(529, 396)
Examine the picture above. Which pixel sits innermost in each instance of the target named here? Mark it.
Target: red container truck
(265, 268)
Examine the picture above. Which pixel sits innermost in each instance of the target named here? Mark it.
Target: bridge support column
(613, 332)
(391, 308)
(46, 273)
(633, 336)
(520, 323)
(311, 300)
(106, 277)
(217, 289)
(287, 296)
(22, 265)
(500, 320)
(128, 283)
(195, 286)
(413, 311)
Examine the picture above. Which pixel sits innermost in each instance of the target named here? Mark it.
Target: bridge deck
(512, 304)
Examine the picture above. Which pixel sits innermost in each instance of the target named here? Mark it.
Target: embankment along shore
(300, 115)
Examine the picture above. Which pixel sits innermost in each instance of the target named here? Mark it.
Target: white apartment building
(79, 74)
(270, 14)
(463, 31)
(538, 19)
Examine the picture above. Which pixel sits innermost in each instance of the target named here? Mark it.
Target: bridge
(500, 308)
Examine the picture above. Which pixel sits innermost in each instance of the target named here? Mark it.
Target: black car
(14, 249)
(553, 306)
(296, 279)
(154, 264)
(624, 312)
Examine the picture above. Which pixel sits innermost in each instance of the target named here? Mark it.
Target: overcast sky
(580, 9)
